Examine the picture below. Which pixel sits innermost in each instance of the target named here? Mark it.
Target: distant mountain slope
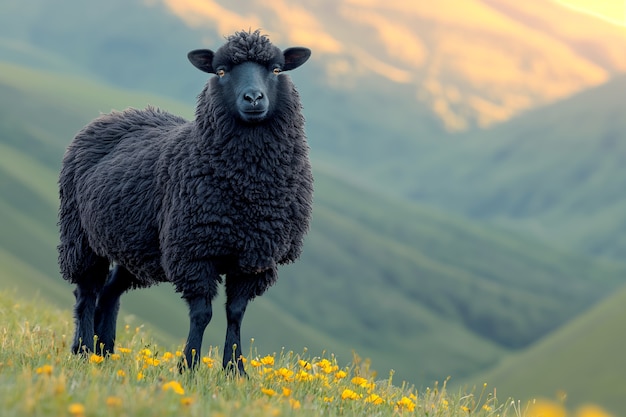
(557, 172)
(379, 275)
(584, 359)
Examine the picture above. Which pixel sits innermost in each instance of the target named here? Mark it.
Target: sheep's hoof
(78, 348)
(183, 366)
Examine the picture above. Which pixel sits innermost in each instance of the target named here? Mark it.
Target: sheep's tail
(88, 147)
(76, 257)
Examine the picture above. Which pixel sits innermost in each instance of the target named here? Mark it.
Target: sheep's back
(112, 162)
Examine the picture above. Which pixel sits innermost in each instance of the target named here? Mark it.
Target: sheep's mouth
(253, 115)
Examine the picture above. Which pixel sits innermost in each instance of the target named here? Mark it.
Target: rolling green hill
(584, 359)
(387, 278)
(556, 172)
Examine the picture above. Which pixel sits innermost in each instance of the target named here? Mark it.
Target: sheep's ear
(294, 57)
(202, 59)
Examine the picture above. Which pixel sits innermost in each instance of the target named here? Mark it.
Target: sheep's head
(248, 69)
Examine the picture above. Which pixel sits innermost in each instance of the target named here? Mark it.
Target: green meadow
(39, 377)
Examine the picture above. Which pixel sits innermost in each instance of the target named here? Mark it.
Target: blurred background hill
(469, 160)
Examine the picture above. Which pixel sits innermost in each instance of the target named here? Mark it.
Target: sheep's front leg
(197, 281)
(240, 289)
(200, 313)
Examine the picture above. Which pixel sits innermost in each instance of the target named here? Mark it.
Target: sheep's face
(249, 88)
(248, 77)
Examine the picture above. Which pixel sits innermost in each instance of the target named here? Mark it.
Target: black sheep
(165, 199)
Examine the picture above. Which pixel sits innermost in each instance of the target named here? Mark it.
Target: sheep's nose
(253, 97)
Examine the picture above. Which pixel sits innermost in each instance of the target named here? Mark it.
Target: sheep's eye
(220, 72)
(276, 71)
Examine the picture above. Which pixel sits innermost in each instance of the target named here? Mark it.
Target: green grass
(38, 376)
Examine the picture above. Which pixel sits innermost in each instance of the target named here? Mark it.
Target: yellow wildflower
(591, 411)
(178, 353)
(304, 376)
(360, 381)
(487, 407)
(167, 356)
(295, 404)
(286, 392)
(268, 391)
(150, 361)
(255, 363)
(186, 401)
(114, 401)
(304, 364)
(45, 370)
(374, 399)
(76, 409)
(326, 366)
(115, 356)
(124, 350)
(145, 352)
(208, 361)
(96, 358)
(543, 408)
(348, 394)
(341, 374)
(121, 373)
(323, 378)
(284, 373)
(139, 376)
(174, 386)
(328, 399)
(267, 360)
(466, 409)
(406, 403)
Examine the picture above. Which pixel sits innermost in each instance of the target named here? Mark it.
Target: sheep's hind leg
(240, 289)
(86, 292)
(108, 306)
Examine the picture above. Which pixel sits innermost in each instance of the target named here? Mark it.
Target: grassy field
(39, 377)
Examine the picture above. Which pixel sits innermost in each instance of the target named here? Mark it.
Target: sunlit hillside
(471, 62)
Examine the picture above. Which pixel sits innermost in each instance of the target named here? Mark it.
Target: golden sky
(611, 10)
(471, 62)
